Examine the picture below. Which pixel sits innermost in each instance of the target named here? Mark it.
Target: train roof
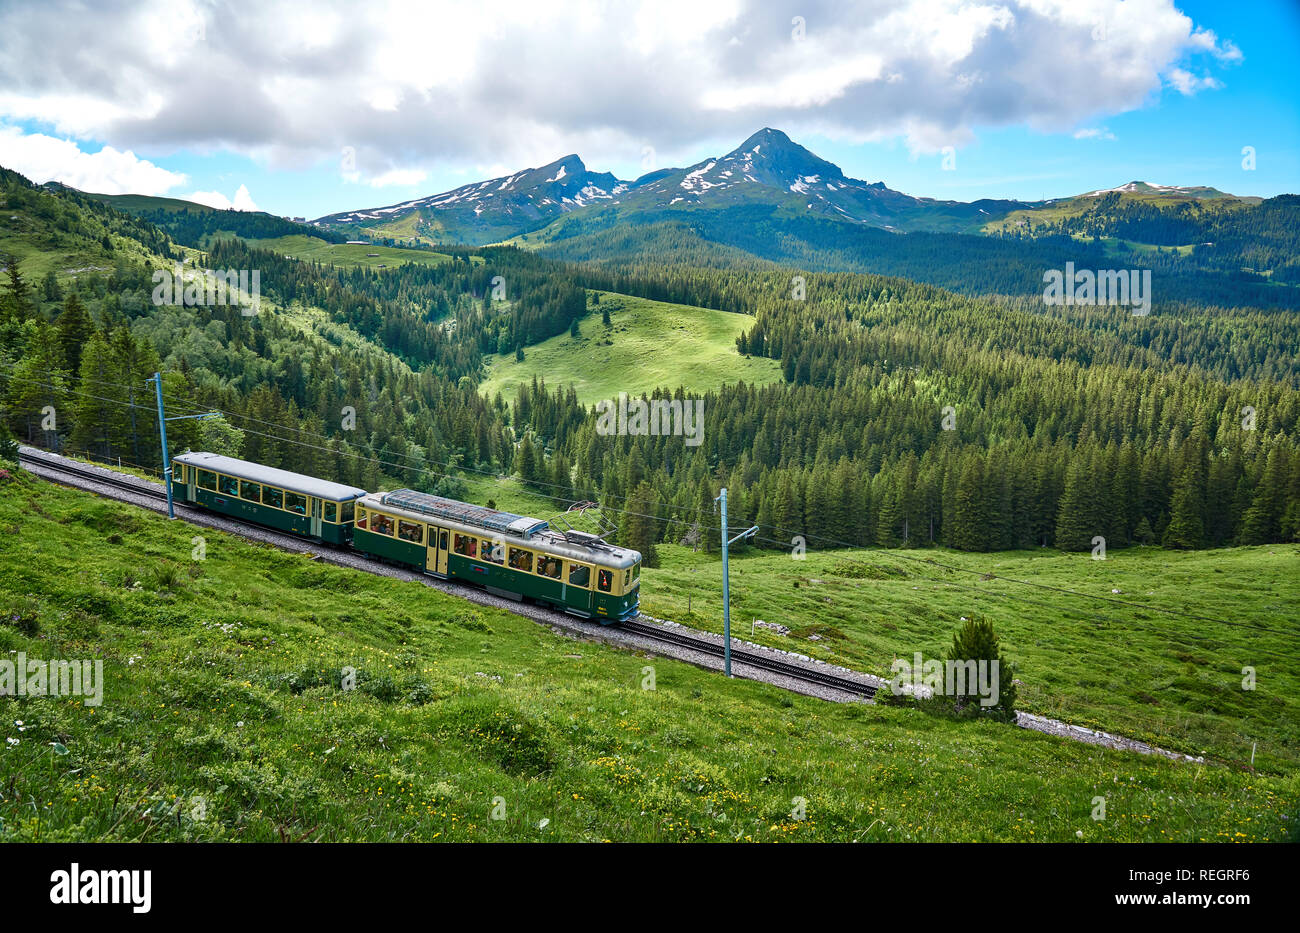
(464, 512)
(533, 532)
(270, 476)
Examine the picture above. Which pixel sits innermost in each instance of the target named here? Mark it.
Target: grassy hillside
(1080, 204)
(347, 256)
(223, 718)
(138, 203)
(649, 344)
(45, 234)
(1173, 678)
(1170, 674)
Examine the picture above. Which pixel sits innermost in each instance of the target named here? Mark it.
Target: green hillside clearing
(650, 344)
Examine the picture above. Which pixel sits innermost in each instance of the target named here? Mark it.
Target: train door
(437, 560)
(315, 517)
(191, 474)
(577, 587)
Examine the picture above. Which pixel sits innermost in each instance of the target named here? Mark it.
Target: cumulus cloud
(1187, 84)
(398, 176)
(243, 201)
(44, 158)
(409, 85)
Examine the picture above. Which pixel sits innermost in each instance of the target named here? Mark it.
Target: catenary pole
(156, 379)
(726, 582)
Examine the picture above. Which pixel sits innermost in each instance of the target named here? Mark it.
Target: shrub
(976, 641)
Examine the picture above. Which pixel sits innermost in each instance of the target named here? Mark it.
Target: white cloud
(44, 158)
(398, 176)
(243, 200)
(410, 85)
(1186, 83)
(1094, 132)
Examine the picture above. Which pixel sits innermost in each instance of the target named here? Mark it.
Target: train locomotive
(509, 555)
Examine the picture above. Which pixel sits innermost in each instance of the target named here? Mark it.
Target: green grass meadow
(225, 716)
(348, 256)
(649, 344)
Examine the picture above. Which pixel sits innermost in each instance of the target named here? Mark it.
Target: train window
(361, 518)
(331, 512)
(604, 580)
(410, 531)
(381, 524)
(295, 503)
(548, 566)
(250, 491)
(207, 479)
(636, 572)
(465, 545)
(493, 551)
(272, 497)
(178, 472)
(579, 575)
(347, 513)
(627, 577)
(521, 559)
(228, 485)
(443, 542)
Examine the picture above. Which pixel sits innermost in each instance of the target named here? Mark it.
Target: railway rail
(774, 665)
(701, 644)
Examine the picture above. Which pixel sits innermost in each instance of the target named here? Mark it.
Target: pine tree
(706, 515)
(526, 460)
(889, 517)
(971, 513)
(977, 641)
(36, 400)
(1262, 522)
(1077, 521)
(1186, 528)
(640, 529)
(50, 290)
(75, 328)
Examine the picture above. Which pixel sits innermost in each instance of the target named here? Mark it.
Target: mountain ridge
(768, 168)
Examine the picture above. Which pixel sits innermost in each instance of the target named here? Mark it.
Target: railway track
(655, 633)
(753, 659)
(139, 487)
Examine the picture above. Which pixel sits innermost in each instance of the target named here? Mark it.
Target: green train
(508, 555)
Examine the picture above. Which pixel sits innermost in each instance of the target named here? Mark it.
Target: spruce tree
(971, 512)
(977, 641)
(1186, 528)
(1077, 522)
(75, 328)
(640, 529)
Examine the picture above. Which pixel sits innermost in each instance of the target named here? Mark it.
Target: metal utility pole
(156, 379)
(726, 582)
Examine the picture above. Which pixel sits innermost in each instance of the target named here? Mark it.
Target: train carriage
(303, 505)
(510, 555)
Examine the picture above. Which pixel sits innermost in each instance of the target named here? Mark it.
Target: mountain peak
(572, 162)
(770, 136)
(1177, 191)
(773, 158)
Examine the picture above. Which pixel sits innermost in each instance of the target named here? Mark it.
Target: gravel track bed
(560, 623)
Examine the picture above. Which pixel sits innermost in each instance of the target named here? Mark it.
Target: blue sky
(473, 120)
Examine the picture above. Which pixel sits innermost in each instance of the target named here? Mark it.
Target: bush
(976, 641)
